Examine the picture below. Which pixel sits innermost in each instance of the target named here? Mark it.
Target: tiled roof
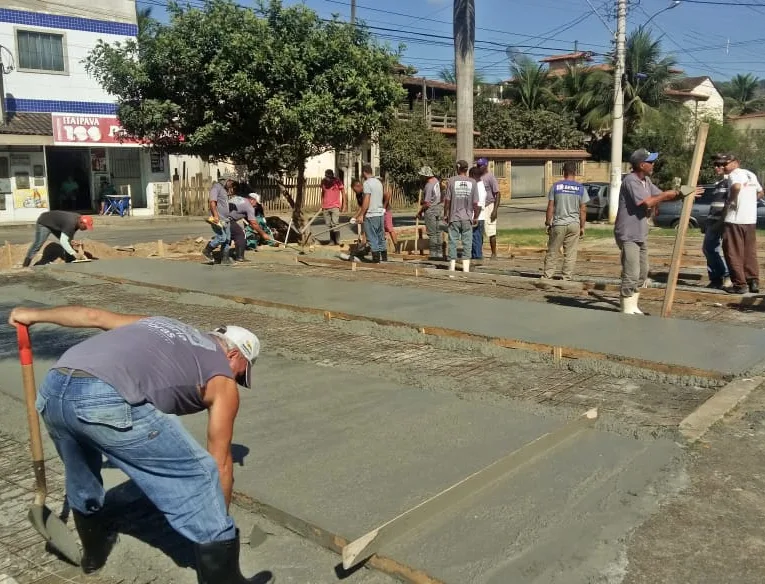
(27, 124)
(688, 83)
(568, 57)
(418, 81)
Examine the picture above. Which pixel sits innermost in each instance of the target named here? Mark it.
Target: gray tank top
(157, 360)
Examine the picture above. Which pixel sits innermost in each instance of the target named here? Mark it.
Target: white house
(700, 96)
(59, 135)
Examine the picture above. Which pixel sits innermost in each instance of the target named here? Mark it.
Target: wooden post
(682, 228)
(160, 248)
(9, 251)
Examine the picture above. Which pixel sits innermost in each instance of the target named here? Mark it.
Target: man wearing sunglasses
(117, 395)
(719, 278)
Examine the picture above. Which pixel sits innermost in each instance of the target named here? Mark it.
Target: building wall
(73, 91)
(111, 10)
(749, 124)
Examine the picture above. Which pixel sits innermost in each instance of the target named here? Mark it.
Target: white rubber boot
(637, 299)
(452, 265)
(465, 265)
(629, 305)
(727, 282)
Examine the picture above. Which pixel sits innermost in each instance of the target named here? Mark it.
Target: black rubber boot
(375, 257)
(754, 286)
(225, 257)
(384, 256)
(208, 253)
(97, 541)
(218, 563)
(26, 263)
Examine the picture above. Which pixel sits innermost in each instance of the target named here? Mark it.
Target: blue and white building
(60, 136)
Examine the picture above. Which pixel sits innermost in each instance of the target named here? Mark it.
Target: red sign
(89, 129)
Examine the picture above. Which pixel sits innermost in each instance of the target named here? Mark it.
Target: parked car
(668, 214)
(760, 216)
(597, 208)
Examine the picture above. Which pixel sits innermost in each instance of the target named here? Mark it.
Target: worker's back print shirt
(632, 216)
(462, 192)
(241, 208)
(744, 211)
(568, 196)
(157, 360)
(60, 222)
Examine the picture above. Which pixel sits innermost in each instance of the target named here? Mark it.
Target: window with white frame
(41, 51)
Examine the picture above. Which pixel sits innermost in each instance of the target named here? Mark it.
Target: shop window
(500, 169)
(41, 51)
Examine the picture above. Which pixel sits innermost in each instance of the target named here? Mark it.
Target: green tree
(408, 145)
(268, 87)
(503, 126)
(448, 75)
(530, 86)
(579, 92)
(742, 95)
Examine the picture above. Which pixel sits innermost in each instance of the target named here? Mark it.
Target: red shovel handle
(25, 345)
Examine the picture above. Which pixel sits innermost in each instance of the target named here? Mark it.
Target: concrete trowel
(47, 523)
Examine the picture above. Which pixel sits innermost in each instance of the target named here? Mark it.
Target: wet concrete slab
(725, 349)
(349, 452)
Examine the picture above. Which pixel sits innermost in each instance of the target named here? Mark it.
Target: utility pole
(2, 89)
(617, 132)
(353, 11)
(464, 65)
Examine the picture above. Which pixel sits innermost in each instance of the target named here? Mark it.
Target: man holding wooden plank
(637, 197)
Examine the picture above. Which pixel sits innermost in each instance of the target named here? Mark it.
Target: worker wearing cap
(637, 196)
(719, 277)
(432, 210)
(740, 229)
(243, 207)
(62, 225)
(117, 395)
(492, 203)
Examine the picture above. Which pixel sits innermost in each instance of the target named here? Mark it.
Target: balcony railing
(434, 120)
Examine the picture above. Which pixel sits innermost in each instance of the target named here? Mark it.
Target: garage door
(527, 180)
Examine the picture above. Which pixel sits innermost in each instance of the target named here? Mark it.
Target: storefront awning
(26, 129)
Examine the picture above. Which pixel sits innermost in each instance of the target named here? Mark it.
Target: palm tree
(464, 61)
(648, 74)
(530, 85)
(742, 95)
(143, 18)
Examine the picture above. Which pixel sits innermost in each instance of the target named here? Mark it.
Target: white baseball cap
(247, 343)
(255, 196)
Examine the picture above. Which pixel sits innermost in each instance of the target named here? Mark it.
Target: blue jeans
(89, 419)
(461, 230)
(477, 253)
(375, 232)
(41, 236)
(712, 248)
(222, 235)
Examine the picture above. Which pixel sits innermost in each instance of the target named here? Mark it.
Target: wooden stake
(557, 354)
(685, 215)
(9, 251)
(369, 544)
(160, 248)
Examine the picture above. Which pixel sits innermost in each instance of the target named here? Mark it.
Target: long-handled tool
(50, 526)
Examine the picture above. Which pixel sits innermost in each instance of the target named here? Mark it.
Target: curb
(698, 422)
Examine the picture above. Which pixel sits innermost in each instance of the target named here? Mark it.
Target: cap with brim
(255, 196)
(247, 343)
(482, 162)
(426, 171)
(724, 157)
(643, 155)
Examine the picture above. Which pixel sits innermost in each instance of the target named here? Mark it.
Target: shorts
(489, 227)
(388, 222)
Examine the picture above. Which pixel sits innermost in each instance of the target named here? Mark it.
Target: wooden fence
(190, 198)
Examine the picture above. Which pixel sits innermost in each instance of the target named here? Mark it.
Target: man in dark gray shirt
(638, 195)
(219, 220)
(117, 395)
(719, 276)
(461, 211)
(432, 210)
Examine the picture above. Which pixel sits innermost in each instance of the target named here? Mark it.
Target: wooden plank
(370, 543)
(682, 228)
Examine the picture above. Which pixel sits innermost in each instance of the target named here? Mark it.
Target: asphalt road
(136, 231)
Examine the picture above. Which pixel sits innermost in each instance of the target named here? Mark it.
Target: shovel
(42, 519)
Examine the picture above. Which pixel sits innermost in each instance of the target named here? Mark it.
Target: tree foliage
(742, 95)
(511, 126)
(268, 87)
(530, 86)
(408, 145)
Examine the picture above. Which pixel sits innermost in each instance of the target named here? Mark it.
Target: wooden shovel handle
(30, 394)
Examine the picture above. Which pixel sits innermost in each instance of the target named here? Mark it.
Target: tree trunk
(297, 209)
(464, 65)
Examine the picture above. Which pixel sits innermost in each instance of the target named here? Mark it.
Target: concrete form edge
(698, 422)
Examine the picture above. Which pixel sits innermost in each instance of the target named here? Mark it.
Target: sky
(706, 38)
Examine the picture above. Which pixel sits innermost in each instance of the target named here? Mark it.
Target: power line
(719, 3)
